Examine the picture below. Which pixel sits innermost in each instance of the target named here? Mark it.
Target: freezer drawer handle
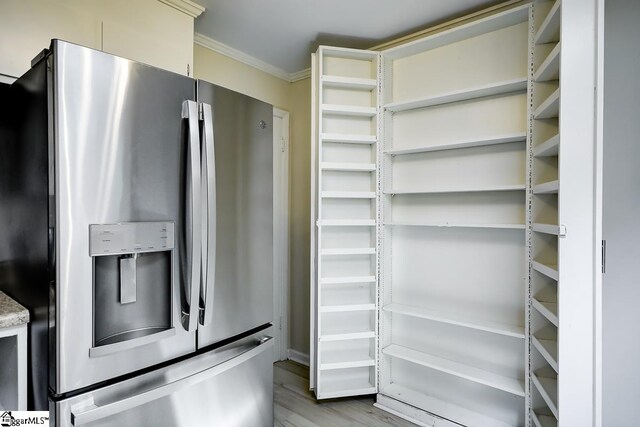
(209, 216)
(93, 412)
(193, 217)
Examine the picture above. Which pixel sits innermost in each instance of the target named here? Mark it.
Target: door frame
(281, 237)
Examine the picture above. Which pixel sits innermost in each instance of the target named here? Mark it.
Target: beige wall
(144, 30)
(296, 99)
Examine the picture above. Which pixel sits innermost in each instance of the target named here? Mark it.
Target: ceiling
(283, 33)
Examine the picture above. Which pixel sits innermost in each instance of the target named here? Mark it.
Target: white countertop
(11, 313)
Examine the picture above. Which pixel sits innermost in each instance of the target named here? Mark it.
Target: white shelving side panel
(470, 373)
(548, 389)
(502, 139)
(455, 319)
(500, 88)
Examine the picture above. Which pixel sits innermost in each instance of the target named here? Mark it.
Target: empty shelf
(348, 251)
(459, 190)
(456, 319)
(348, 167)
(549, 30)
(349, 110)
(434, 405)
(548, 148)
(550, 187)
(346, 307)
(550, 107)
(347, 222)
(547, 309)
(500, 88)
(347, 364)
(546, 228)
(348, 138)
(480, 376)
(548, 270)
(548, 389)
(340, 280)
(504, 139)
(548, 349)
(349, 53)
(550, 67)
(339, 336)
(344, 387)
(543, 420)
(348, 194)
(459, 225)
(349, 82)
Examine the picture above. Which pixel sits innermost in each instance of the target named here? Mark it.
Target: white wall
(144, 30)
(621, 212)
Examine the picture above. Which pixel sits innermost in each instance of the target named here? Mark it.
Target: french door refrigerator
(136, 209)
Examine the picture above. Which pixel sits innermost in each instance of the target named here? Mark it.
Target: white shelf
(348, 251)
(550, 107)
(459, 225)
(460, 190)
(550, 187)
(470, 373)
(548, 148)
(547, 309)
(348, 195)
(543, 420)
(345, 138)
(348, 167)
(341, 280)
(548, 270)
(348, 82)
(348, 53)
(548, 349)
(347, 222)
(550, 67)
(456, 319)
(347, 336)
(434, 405)
(503, 139)
(347, 365)
(546, 228)
(500, 88)
(549, 30)
(548, 389)
(347, 307)
(349, 110)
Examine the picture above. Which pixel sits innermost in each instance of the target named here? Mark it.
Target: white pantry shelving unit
(437, 222)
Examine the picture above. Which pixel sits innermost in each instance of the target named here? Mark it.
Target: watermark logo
(24, 418)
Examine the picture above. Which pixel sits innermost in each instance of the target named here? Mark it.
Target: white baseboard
(297, 356)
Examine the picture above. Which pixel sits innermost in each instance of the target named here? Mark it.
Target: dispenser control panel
(130, 238)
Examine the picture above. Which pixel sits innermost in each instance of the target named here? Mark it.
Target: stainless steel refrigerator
(136, 213)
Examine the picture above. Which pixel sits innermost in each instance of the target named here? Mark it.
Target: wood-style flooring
(296, 406)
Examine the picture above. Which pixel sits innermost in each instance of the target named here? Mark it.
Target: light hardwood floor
(296, 406)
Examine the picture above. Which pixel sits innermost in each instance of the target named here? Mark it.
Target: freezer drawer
(230, 386)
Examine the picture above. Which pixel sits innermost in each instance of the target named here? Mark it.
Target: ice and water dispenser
(132, 284)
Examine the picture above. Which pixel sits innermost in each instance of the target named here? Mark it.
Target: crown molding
(185, 6)
(226, 50)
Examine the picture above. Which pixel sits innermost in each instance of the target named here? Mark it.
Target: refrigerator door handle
(209, 230)
(91, 412)
(193, 216)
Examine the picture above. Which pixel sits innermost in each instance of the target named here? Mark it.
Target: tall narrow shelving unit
(544, 229)
(452, 280)
(347, 207)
